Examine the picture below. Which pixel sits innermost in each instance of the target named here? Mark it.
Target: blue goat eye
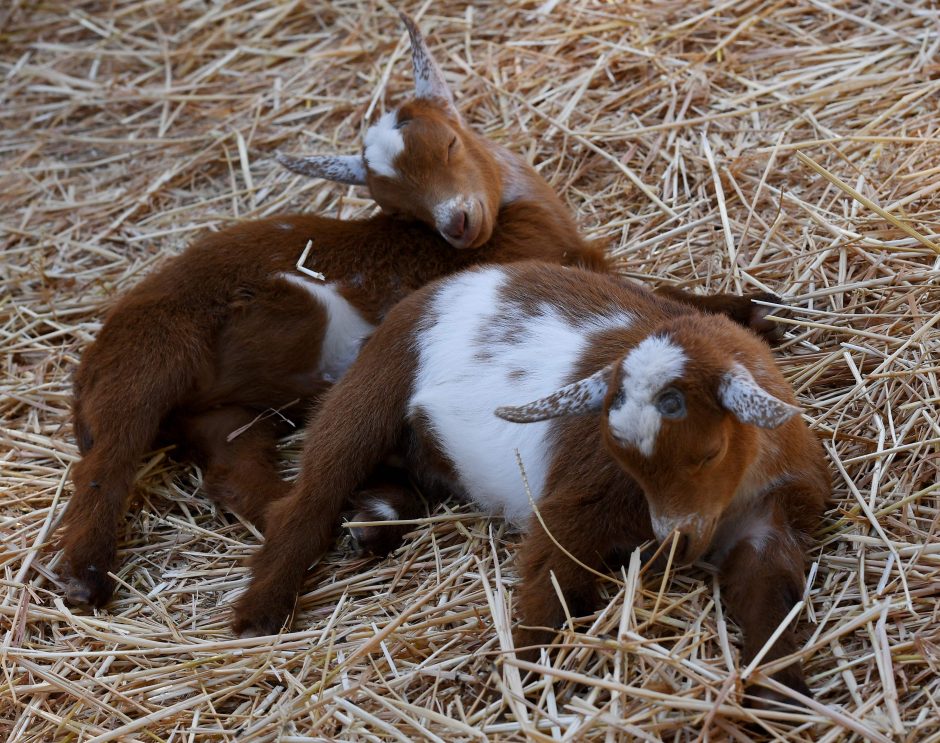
(671, 403)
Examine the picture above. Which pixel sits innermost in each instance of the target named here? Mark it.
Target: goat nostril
(458, 225)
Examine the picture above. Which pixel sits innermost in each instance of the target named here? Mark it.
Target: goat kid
(643, 418)
(229, 330)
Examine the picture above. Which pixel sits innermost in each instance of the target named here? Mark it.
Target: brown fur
(598, 493)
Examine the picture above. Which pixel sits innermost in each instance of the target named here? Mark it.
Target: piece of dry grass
(671, 128)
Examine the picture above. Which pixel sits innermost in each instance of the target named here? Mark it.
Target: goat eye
(451, 148)
(710, 457)
(670, 403)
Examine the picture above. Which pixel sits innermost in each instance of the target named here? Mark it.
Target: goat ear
(751, 403)
(340, 168)
(584, 396)
(429, 82)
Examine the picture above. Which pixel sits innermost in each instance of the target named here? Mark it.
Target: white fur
(750, 402)
(383, 509)
(285, 226)
(384, 143)
(467, 354)
(653, 364)
(346, 330)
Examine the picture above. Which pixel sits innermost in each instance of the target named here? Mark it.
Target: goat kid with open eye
(643, 418)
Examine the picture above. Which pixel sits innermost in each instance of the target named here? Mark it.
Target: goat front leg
(387, 496)
(590, 530)
(92, 520)
(761, 579)
(361, 422)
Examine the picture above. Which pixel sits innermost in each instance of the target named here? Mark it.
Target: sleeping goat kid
(201, 352)
(642, 417)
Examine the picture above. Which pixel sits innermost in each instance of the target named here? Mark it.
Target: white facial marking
(383, 144)
(383, 509)
(654, 363)
(346, 330)
(469, 358)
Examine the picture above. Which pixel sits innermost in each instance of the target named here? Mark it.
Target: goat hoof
(257, 619)
(89, 587)
(754, 316)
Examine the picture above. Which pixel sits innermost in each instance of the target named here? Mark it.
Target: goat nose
(457, 225)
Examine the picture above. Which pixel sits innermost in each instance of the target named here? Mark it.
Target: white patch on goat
(469, 356)
(384, 143)
(284, 225)
(346, 330)
(653, 364)
(385, 510)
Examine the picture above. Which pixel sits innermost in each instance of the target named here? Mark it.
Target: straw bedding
(706, 142)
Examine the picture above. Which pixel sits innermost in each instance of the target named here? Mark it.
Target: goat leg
(761, 581)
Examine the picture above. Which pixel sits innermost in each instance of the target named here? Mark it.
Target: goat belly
(478, 351)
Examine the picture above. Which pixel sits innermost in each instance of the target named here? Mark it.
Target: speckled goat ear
(751, 403)
(429, 81)
(584, 396)
(349, 169)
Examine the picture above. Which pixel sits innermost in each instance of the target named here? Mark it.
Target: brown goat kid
(199, 353)
(643, 417)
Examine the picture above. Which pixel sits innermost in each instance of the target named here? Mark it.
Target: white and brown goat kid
(643, 417)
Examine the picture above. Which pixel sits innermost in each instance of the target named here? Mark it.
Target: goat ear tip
(503, 412)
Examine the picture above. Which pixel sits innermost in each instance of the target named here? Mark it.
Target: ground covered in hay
(748, 144)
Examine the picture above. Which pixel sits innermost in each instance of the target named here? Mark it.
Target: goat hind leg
(238, 454)
(92, 521)
(742, 309)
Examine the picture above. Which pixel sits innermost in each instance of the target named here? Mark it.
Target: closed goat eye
(451, 149)
(710, 457)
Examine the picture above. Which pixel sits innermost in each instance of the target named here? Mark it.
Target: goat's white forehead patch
(653, 364)
(383, 144)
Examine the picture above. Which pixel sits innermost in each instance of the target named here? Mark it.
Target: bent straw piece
(834, 180)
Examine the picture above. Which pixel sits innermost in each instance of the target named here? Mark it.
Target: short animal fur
(206, 347)
(635, 417)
